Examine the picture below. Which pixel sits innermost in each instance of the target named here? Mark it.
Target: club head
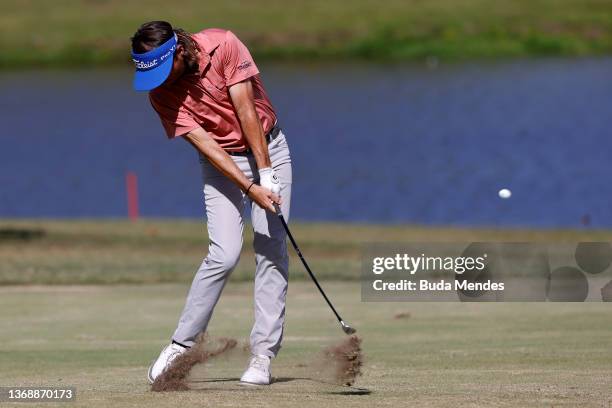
(346, 328)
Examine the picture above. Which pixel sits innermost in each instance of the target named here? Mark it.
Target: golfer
(206, 89)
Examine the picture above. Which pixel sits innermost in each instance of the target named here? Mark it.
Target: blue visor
(153, 67)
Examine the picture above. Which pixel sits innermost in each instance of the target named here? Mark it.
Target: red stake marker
(131, 183)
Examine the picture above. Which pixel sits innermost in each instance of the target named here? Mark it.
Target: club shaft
(297, 249)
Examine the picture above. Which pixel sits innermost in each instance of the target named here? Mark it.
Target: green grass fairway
(101, 339)
(170, 251)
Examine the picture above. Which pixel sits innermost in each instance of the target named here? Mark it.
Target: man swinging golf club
(206, 88)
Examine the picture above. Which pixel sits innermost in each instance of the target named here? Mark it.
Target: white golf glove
(268, 179)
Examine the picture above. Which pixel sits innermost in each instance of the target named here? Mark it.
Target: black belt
(272, 134)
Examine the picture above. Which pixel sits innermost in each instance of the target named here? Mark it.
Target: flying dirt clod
(174, 378)
(347, 358)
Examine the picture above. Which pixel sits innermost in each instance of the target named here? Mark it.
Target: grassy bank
(100, 339)
(73, 32)
(151, 251)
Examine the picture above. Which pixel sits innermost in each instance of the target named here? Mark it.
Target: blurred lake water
(380, 143)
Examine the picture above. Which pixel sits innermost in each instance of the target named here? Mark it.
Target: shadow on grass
(214, 380)
(352, 391)
(347, 390)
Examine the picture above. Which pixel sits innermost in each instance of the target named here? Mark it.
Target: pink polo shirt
(202, 99)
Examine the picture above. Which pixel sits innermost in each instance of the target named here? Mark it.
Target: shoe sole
(251, 384)
(248, 384)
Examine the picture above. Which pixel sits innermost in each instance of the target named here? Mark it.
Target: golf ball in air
(504, 193)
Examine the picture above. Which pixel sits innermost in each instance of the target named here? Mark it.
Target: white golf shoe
(166, 357)
(258, 371)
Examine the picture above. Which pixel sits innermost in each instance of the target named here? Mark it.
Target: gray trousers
(225, 205)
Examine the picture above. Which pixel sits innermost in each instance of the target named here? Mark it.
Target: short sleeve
(238, 64)
(175, 119)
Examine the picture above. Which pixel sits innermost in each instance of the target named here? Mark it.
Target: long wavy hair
(155, 33)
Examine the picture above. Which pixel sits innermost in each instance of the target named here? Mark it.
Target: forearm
(254, 135)
(244, 104)
(218, 157)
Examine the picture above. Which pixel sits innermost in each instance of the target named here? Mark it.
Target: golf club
(345, 327)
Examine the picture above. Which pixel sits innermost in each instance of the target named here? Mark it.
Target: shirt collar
(207, 47)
